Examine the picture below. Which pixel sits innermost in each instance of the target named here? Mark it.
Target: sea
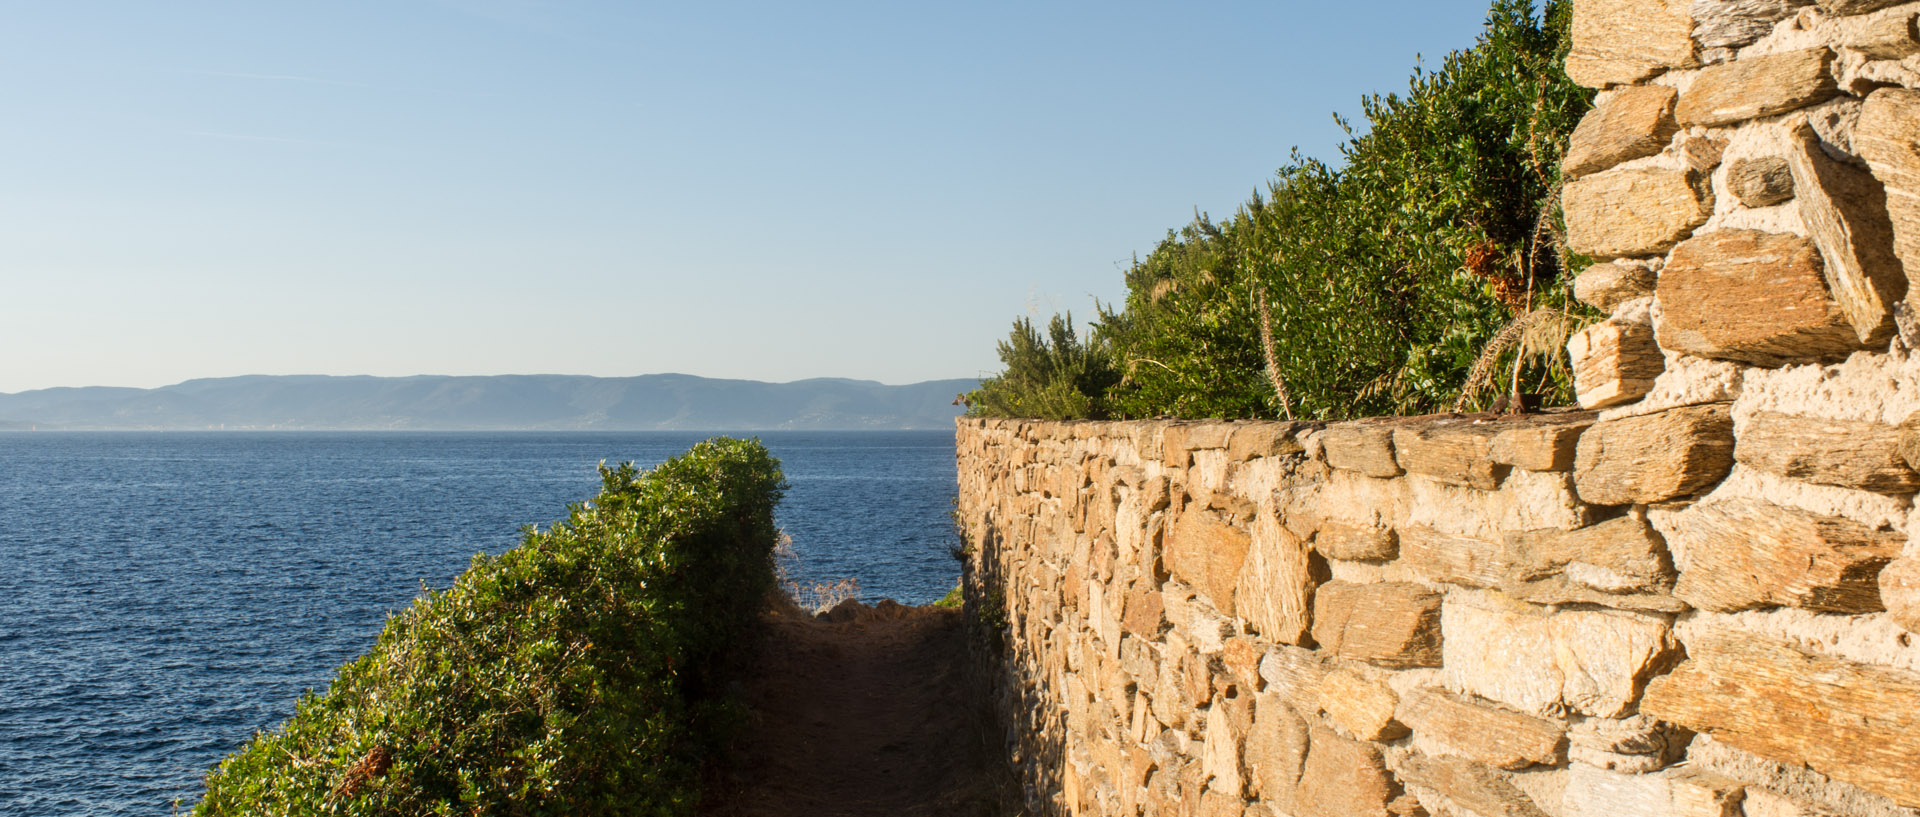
(164, 596)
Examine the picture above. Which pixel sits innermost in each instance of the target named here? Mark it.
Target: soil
(864, 711)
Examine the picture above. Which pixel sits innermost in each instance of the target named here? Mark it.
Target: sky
(760, 190)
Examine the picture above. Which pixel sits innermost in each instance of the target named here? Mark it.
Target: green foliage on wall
(1056, 376)
(574, 674)
(1371, 287)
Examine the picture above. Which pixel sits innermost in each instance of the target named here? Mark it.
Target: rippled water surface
(163, 596)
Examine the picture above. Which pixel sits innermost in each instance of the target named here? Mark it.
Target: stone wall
(1695, 596)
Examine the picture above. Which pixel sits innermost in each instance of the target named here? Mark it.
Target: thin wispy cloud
(276, 78)
(251, 137)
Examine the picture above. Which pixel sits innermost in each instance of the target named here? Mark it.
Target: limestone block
(1754, 297)
(1392, 624)
(1697, 793)
(1362, 446)
(1620, 555)
(1851, 722)
(1276, 750)
(1361, 707)
(1275, 587)
(1742, 554)
(1655, 457)
(1466, 784)
(1734, 23)
(1888, 137)
(1593, 792)
(1900, 592)
(1846, 210)
(1839, 8)
(1293, 672)
(1564, 590)
(1206, 553)
(1635, 735)
(1242, 661)
(1484, 732)
(1614, 362)
(1442, 557)
(1847, 453)
(1215, 803)
(1337, 540)
(1762, 182)
(1204, 628)
(1607, 286)
(1454, 451)
(1634, 212)
(1635, 122)
(1757, 86)
(1544, 442)
(1590, 661)
(1343, 778)
(1621, 42)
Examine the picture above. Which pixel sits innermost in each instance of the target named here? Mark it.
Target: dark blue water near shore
(163, 596)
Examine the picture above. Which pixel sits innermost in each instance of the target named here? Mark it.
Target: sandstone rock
(1469, 785)
(1253, 440)
(1634, 212)
(1220, 755)
(1697, 793)
(1851, 722)
(1757, 86)
(1846, 210)
(1607, 286)
(1620, 555)
(1293, 672)
(1888, 137)
(1355, 543)
(1839, 8)
(1734, 23)
(1207, 554)
(1847, 453)
(1655, 457)
(1762, 182)
(1275, 588)
(1633, 123)
(1544, 442)
(1145, 612)
(1614, 362)
(1361, 707)
(1635, 735)
(1393, 624)
(1442, 557)
(1703, 153)
(1343, 778)
(1484, 732)
(1454, 451)
(1741, 554)
(1754, 297)
(1621, 42)
(1900, 592)
(1590, 661)
(1888, 36)
(1363, 447)
(1276, 750)
(1563, 590)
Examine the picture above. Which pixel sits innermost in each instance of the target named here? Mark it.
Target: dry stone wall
(1695, 595)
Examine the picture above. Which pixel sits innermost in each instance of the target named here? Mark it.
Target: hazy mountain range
(499, 402)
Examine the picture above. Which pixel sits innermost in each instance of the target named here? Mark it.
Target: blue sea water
(165, 595)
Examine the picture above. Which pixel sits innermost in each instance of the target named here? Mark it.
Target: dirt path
(863, 712)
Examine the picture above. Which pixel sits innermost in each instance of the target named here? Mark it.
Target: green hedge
(574, 674)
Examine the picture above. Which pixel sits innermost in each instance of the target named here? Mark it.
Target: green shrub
(1057, 376)
(575, 674)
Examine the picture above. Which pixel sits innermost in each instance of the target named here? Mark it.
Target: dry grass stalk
(1539, 334)
(1272, 359)
(813, 597)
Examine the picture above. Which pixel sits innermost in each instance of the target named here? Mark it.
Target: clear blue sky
(765, 190)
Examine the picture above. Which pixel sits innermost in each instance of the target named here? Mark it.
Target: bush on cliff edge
(574, 674)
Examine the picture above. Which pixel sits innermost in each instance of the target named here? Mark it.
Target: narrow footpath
(864, 711)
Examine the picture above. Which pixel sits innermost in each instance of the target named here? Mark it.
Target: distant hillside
(501, 402)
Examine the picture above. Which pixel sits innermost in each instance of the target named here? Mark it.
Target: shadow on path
(864, 711)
